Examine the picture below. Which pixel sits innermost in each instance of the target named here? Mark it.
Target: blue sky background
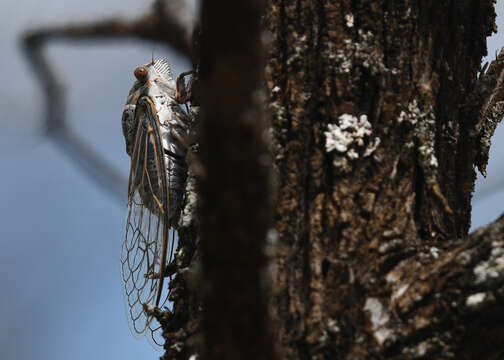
(61, 232)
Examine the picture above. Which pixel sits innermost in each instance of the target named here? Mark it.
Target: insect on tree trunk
(377, 120)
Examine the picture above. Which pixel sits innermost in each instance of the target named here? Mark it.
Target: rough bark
(354, 210)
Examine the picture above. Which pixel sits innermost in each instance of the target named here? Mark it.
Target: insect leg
(184, 117)
(181, 119)
(183, 92)
(170, 269)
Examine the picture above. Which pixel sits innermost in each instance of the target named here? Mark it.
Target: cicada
(155, 127)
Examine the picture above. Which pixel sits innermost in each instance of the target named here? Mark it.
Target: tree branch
(470, 278)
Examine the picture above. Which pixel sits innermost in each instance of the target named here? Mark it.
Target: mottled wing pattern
(147, 226)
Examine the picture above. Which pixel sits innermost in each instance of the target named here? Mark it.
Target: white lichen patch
(402, 116)
(348, 139)
(272, 239)
(379, 318)
(424, 122)
(390, 246)
(332, 326)
(434, 251)
(372, 147)
(464, 258)
(399, 292)
(421, 349)
(323, 338)
(425, 132)
(475, 299)
(178, 346)
(492, 269)
(412, 115)
(349, 130)
(279, 113)
(349, 19)
(391, 277)
(427, 348)
(300, 46)
(363, 52)
(451, 132)
(189, 210)
(180, 257)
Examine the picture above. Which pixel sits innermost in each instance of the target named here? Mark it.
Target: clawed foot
(183, 92)
(169, 271)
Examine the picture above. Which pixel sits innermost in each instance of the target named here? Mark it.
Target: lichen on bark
(344, 235)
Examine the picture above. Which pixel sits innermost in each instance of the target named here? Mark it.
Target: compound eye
(141, 73)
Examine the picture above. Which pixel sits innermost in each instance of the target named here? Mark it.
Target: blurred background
(61, 290)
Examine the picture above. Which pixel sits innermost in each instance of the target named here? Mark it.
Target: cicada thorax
(160, 170)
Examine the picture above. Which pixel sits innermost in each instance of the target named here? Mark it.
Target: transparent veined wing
(147, 248)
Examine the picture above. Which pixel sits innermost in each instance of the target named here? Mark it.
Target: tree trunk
(377, 120)
(375, 106)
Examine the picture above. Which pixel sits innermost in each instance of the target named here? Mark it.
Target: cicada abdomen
(155, 128)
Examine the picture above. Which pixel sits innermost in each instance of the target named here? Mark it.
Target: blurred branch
(168, 22)
(235, 204)
(103, 173)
